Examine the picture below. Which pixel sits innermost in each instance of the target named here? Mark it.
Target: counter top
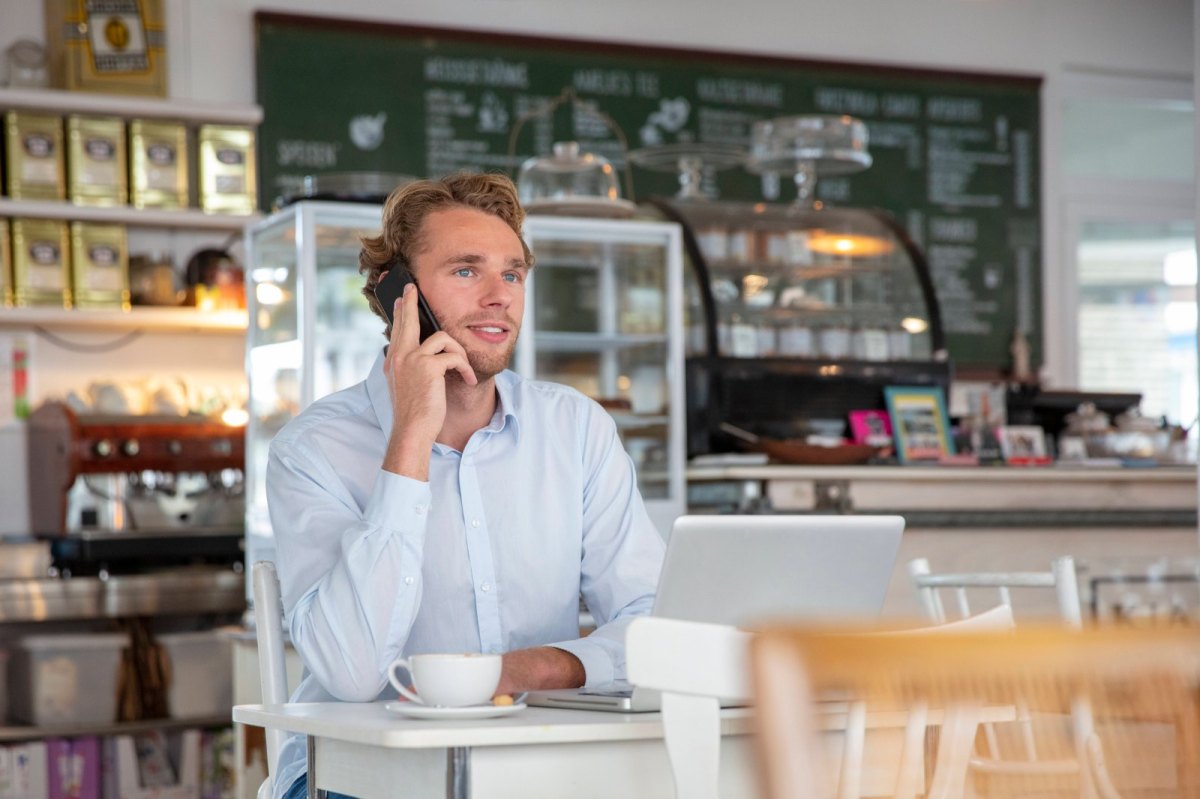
(949, 496)
(955, 474)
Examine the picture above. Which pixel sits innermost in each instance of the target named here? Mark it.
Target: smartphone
(388, 290)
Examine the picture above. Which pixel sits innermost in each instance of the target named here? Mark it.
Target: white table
(367, 751)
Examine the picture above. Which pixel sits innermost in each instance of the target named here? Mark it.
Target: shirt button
(419, 509)
(485, 587)
(474, 522)
(408, 581)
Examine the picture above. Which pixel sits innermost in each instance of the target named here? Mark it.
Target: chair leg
(912, 757)
(956, 744)
(692, 730)
(1099, 769)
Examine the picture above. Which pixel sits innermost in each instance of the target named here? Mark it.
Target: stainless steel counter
(160, 594)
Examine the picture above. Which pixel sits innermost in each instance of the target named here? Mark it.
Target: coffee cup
(448, 680)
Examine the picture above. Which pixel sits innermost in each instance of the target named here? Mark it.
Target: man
(445, 504)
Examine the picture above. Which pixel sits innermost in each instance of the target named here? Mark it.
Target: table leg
(458, 772)
(311, 768)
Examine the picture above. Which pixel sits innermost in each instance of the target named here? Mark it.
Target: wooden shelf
(190, 218)
(31, 733)
(139, 318)
(551, 342)
(58, 101)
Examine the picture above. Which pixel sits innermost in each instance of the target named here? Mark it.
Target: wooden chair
(268, 627)
(1063, 747)
(1125, 676)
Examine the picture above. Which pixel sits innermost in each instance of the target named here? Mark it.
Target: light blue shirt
(491, 555)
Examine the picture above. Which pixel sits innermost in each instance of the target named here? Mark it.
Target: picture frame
(871, 427)
(1023, 444)
(920, 425)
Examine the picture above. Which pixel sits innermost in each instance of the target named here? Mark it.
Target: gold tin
(33, 148)
(99, 266)
(6, 283)
(116, 46)
(96, 171)
(158, 164)
(41, 269)
(228, 174)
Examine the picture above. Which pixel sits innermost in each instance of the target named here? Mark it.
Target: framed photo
(872, 428)
(920, 426)
(1023, 444)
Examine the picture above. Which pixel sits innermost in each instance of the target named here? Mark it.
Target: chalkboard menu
(956, 156)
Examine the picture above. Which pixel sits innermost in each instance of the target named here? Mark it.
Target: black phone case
(388, 290)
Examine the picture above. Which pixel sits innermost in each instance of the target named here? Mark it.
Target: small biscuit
(502, 700)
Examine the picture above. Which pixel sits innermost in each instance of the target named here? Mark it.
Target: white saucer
(415, 711)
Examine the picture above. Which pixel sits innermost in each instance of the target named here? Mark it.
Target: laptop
(745, 571)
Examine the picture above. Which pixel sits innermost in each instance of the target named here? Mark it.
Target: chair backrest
(1126, 676)
(694, 665)
(268, 627)
(1060, 577)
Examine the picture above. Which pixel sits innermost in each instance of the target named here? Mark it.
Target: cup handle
(404, 691)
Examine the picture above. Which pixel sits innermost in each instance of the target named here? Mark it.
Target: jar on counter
(870, 343)
(713, 240)
(796, 340)
(743, 338)
(834, 340)
(768, 339)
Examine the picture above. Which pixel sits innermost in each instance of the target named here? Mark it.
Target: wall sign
(956, 156)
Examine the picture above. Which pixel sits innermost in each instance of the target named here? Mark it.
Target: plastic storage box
(201, 673)
(65, 679)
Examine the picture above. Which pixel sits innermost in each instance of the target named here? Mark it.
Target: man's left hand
(542, 668)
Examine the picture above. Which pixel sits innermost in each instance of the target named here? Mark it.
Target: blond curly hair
(404, 216)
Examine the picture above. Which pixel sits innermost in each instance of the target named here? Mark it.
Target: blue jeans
(299, 790)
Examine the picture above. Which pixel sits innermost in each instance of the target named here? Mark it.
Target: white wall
(211, 48)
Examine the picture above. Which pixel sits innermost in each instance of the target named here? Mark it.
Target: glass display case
(797, 314)
(604, 314)
(311, 331)
(607, 319)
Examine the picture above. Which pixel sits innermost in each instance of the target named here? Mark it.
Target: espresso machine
(136, 494)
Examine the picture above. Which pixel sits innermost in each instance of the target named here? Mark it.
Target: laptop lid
(746, 570)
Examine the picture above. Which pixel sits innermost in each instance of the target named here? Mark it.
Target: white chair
(693, 665)
(268, 625)
(1062, 579)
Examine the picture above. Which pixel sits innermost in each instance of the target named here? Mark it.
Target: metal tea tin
(96, 169)
(99, 266)
(41, 265)
(158, 158)
(6, 280)
(33, 150)
(228, 172)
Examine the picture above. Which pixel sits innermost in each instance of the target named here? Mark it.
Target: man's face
(472, 272)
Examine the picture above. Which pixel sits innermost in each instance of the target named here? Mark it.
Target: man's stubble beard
(485, 365)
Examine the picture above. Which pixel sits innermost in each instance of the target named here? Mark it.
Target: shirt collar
(507, 406)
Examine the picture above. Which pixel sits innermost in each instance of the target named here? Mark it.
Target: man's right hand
(416, 378)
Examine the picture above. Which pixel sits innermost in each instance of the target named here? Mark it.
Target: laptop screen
(747, 570)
